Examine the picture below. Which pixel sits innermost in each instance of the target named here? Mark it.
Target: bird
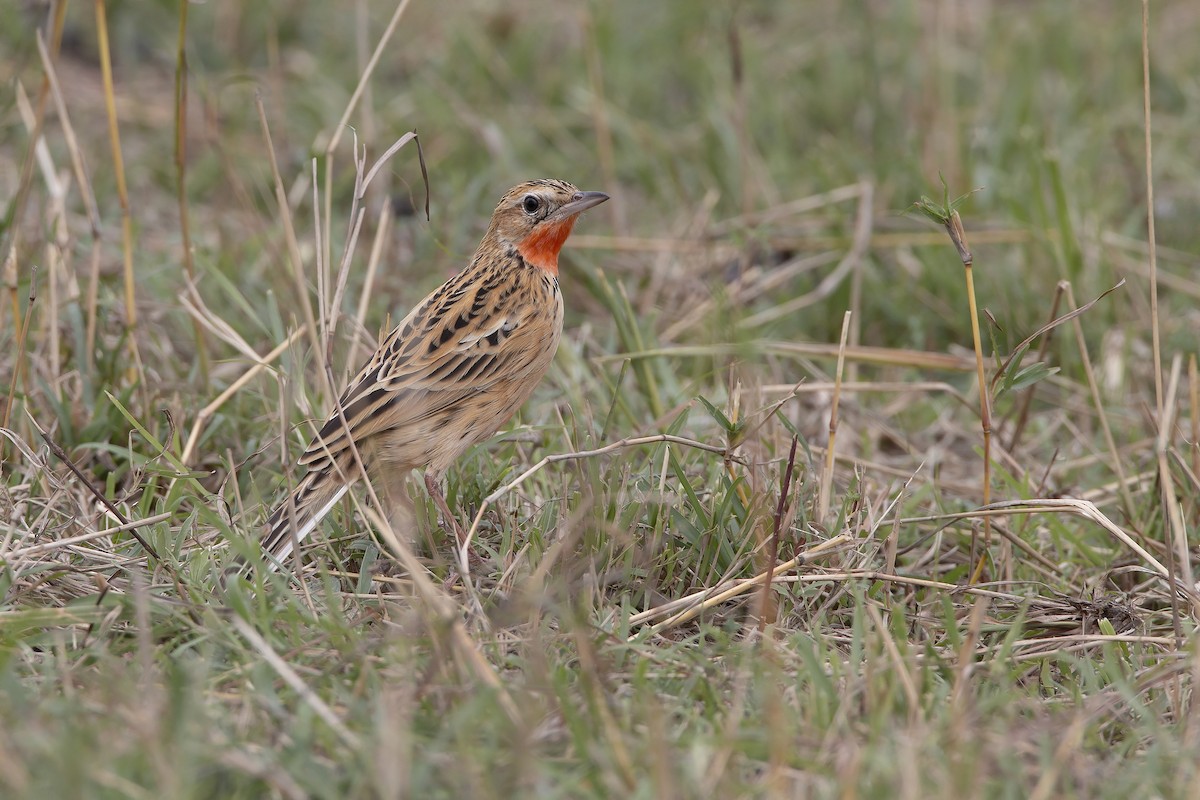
(450, 374)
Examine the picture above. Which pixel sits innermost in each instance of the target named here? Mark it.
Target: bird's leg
(397, 504)
(439, 500)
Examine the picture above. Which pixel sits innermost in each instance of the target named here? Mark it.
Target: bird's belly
(439, 440)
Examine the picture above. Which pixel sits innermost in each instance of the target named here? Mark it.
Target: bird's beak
(581, 202)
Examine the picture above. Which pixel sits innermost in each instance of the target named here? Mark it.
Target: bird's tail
(299, 514)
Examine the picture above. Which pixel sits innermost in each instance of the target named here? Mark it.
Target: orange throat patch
(540, 248)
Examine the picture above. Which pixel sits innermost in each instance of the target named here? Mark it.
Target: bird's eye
(531, 204)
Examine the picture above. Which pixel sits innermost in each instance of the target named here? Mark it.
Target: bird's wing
(457, 343)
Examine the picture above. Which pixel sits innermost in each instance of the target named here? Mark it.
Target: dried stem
(946, 214)
(293, 247)
(599, 110)
(343, 124)
(62, 456)
(741, 125)
(8, 273)
(1194, 406)
(827, 474)
(1090, 374)
(1155, 335)
(773, 544)
(1172, 516)
(958, 236)
(383, 228)
(688, 607)
(114, 136)
(185, 233)
(207, 412)
(1027, 397)
(292, 679)
(18, 366)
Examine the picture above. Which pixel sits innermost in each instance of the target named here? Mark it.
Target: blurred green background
(688, 113)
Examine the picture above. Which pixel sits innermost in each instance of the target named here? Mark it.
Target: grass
(617, 639)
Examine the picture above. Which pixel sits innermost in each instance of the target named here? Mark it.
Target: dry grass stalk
(185, 229)
(60, 247)
(19, 372)
(686, 608)
(1194, 406)
(889, 644)
(719, 249)
(127, 244)
(383, 228)
(766, 607)
(343, 124)
(1058, 505)
(1043, 348)
(292, 679)
(1179, 556)
(889, 356)
(958, 236)
(8, 272)
(947, 215)
(296, 261)
(205, 414)
(827, 474)
(1151, 239)
(19, 553)
(598, 107)
(1094, 388)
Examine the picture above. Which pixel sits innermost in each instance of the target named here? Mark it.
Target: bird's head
(536, 218)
